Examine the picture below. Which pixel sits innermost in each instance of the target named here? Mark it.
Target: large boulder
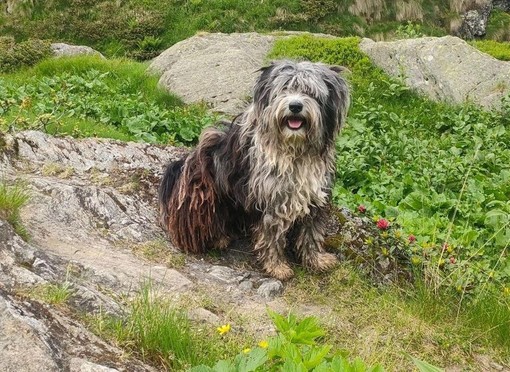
(219, 69)
(444, 69)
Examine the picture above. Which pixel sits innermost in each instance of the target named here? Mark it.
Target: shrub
(26, 53)
(409, 31)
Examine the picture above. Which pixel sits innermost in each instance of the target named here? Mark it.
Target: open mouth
(295, 122)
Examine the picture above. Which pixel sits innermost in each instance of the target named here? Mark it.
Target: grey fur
(275, 165)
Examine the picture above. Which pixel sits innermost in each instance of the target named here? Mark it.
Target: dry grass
(158, 251)
(501, 35)
(409, 10)
(382, 325)
(455, 24)
(460, 6)
(371, 10)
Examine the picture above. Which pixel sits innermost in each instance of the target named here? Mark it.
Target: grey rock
(246, 285)
(223, 274)
(270, 288)
(16, 337)
(219, 69)
(82, 365)
(474, 22)
(502, 5)
(202, 315)
(67, 50)
(444, 69)
(52, 338)
(35, 147)
(84, 229)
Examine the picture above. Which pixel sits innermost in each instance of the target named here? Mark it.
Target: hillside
(420, 218)
(141, 29)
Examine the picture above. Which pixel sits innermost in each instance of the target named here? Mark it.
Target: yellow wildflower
(263, 344)
(416, 260)
(224, 329)
(247, 350)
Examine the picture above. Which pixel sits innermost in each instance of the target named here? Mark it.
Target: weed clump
(15, 55)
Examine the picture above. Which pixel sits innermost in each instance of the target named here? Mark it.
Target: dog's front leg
(270, 242)
(309, 241)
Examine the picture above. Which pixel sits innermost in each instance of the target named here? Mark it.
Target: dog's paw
(222, 243)
(323, 262)
(280, 271)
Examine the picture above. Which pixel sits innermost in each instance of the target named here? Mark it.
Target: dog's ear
(340, 69)
(262, 89)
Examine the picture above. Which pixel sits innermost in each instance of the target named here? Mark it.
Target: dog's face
(301, 103)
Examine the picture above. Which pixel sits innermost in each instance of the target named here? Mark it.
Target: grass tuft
(12, 199)
(161, 334)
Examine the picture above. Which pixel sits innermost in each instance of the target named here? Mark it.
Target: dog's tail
(166, 187)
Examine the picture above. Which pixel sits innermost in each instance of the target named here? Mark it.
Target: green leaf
(250, 362)
(339, 364)
(424, 366)
(315, 356)
(292, 366)
(201, 368)
(224, 366)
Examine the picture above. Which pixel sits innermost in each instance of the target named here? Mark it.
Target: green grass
(54, 294)
(498, 26)
(89, 96)
(159, 333)
(499, 50)
(381, 325)
(12, 199)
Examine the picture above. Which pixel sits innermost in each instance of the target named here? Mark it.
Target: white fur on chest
(287, 186)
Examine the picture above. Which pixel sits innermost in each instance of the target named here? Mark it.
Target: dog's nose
(295, 107)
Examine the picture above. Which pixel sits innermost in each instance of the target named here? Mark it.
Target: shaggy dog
(268, 173)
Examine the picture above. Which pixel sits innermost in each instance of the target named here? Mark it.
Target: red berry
(362, 208)
(412, 238)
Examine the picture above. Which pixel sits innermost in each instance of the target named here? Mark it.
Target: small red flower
(412, 238)
(362, 208)
(383, 224)
(452, 260)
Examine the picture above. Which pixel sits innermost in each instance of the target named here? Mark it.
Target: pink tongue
(295, 123)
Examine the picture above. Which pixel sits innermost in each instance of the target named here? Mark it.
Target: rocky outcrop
(474, 22)
(91, 215)
(67, 50)
(446, 69)
(219, 69)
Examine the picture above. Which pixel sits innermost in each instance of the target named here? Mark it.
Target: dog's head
(301, 103)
